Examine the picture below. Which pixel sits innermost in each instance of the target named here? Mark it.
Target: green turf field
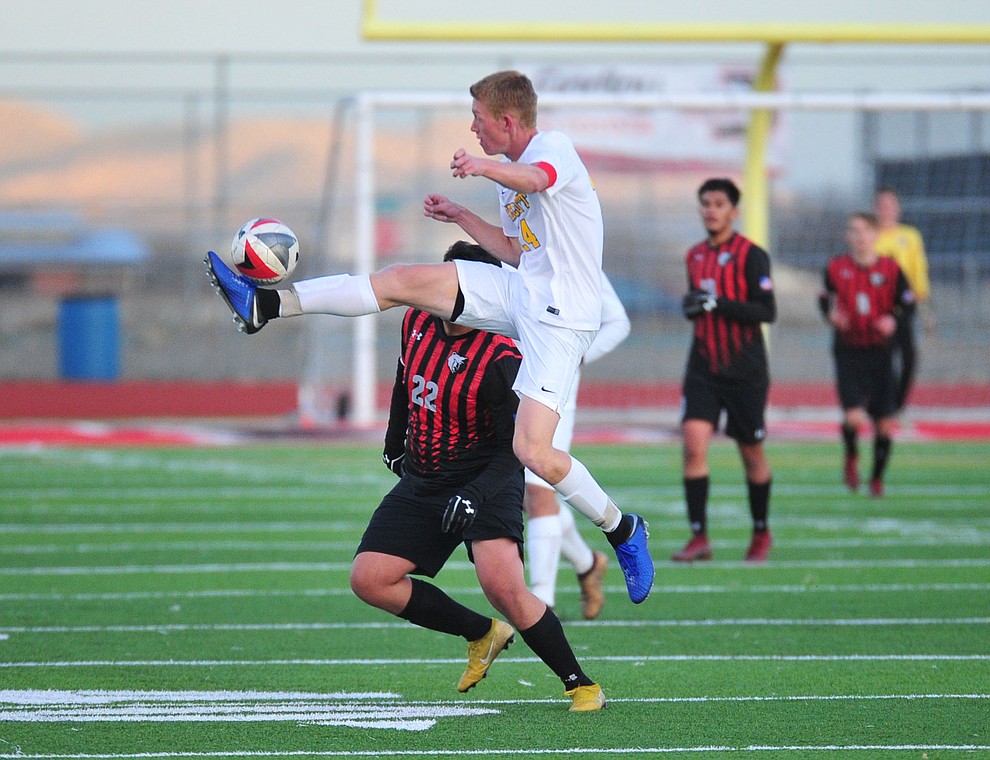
(194, 603)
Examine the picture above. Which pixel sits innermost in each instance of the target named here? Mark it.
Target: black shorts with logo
(705, 396)
(407, 523)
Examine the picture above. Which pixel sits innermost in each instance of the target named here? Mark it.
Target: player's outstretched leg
(238, 292)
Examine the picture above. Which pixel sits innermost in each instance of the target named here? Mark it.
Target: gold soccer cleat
(586, 698)
(482, 653)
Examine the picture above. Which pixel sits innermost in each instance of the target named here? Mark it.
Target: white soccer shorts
(498, 300)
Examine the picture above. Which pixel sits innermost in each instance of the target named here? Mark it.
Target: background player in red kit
(865, 296)
(449, 437)
(730, 296)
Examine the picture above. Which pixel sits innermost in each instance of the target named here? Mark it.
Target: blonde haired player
(550, 528)
(548, 300)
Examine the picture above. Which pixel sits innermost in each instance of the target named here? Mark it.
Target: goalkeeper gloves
(396, 464)
(698, 302)
(458, 515)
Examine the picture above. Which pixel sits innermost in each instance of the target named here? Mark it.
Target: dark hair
(885, 190)
(470, 252)
(721, 184)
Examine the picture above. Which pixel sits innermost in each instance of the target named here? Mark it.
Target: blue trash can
(89, 338)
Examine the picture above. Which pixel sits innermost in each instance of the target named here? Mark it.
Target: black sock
(759, 503)
(881, 453)
(696, 496)
(269, 303)
(622, 532)
(429, 607)
(548, 642)
(849, 438)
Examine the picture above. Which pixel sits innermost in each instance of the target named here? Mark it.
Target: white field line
(295, 567)
(705, 623)
(943, 537)
(365, 662)
(228, 468)
(536, 752)
(101, 697)
(236, 567)
(309, 485)
(107, 504)
(234, 526)
(361, 710)
(34, 706)
(213, 546)
(855, 588)
(920, 527)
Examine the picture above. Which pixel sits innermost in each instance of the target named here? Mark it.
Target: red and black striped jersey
(864, 294)
(728, 340)
(453, 401)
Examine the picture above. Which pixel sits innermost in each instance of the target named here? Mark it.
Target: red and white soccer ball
(265, 250)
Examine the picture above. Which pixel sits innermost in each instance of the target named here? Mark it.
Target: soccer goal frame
(366, 105)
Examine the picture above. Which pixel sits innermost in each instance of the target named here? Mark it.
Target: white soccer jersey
(562, 235)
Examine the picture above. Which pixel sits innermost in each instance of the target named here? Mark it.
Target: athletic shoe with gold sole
(586, 698)
(482, 653)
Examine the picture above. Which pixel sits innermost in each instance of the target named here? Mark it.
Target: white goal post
(367, 105)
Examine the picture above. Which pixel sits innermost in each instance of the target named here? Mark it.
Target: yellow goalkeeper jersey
(905, 245)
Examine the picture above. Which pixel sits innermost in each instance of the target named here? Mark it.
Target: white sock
(573, 547)
(579, 489)
(543, 556)
(345, 295)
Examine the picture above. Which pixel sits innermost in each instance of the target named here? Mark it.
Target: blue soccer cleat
(238, 292)
(635, 561)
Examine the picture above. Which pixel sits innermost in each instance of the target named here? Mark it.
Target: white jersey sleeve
(561, 233)
(615, 324)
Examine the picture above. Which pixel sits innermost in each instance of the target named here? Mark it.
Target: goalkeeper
(730, 296)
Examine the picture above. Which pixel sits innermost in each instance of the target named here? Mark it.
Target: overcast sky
(323, 26)
(180, 25)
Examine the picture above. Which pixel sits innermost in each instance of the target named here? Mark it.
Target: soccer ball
(265, 250)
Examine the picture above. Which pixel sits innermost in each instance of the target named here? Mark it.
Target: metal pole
(363, 382)
(221, 145)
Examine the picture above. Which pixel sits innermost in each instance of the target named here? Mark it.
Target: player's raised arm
(488, 236)
(523, 178)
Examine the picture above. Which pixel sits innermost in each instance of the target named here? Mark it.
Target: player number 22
(424, 393)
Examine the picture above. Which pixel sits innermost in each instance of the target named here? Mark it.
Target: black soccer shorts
(407, 524)
(865, 378)
(704, 396)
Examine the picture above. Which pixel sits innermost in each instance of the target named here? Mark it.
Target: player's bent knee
(366, 582)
